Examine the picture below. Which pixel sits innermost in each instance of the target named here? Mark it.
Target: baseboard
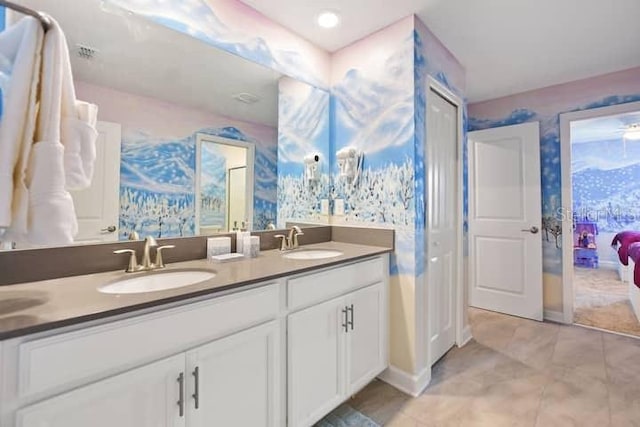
(412, 385)
(554, 316)
(466, 335)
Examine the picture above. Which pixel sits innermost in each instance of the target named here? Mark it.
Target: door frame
(567, 193)
(423, 337)
(251, 155)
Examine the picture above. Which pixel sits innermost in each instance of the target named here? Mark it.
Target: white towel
(20, 45)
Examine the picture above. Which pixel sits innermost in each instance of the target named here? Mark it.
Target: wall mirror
(170, 107)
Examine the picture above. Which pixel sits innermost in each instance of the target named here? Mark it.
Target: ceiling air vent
(86, 52)
(247, 98)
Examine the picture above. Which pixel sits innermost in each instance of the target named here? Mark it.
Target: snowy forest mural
(544, 106)
(303, 130)
(605, 180)
(213, 186)
(157, 183)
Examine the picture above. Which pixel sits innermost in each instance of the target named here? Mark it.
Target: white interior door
(505, 246)
(98, 207)
(442, 190)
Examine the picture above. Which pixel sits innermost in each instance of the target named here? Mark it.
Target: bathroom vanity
(270, 341)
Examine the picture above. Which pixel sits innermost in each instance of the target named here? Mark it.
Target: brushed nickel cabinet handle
(181, 394)
(350, 322)
(345, 318)
(196, 387)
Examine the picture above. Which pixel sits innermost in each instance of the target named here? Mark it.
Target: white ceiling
(139, 57)
(506, 46)
(603, 128)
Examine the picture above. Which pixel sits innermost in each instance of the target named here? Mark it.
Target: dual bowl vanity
(278, 340)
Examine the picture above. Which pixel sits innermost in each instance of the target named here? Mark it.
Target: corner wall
(379, 106)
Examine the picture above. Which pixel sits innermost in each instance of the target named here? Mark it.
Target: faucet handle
(294, 243)
(159, 262)
(133, 261)
(283, 241)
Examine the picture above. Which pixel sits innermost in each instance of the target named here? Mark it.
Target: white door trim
(567, 196)
(423, 339)
(251, 155)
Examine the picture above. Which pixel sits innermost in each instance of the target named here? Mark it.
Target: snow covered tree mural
(303, 130)
(213, 187)
(157, 183)
(605, 183)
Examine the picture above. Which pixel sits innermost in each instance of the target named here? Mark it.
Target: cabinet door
(236, 381)
(366, 349)
(143, 397)
(316, 341)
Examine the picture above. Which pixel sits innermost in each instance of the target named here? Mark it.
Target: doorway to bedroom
(605, 216)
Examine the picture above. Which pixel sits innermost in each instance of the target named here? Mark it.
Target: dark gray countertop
(27, 308)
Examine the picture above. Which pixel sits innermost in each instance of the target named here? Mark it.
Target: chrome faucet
(146, 265)
(291, 241)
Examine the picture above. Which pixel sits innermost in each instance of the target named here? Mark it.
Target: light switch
(324, 207)
(339, 207)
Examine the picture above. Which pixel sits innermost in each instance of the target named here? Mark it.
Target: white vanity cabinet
(211, 385)
(235, 381)
(143, 397)
(283, 353)
(338, 346)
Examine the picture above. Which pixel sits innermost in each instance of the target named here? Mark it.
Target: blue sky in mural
(303, 127)
(374, 113)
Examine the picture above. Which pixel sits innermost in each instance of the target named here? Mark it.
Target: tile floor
(517, 372)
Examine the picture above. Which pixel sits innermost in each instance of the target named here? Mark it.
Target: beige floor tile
(379, 401)
(401, 420)
(520, 373)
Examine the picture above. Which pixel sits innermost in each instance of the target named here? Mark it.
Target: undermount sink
(312, 254)
(156, 281)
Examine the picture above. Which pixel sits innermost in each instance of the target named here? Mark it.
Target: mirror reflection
(187, 134)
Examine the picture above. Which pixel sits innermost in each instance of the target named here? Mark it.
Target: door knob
(109, 229)
(532, 230)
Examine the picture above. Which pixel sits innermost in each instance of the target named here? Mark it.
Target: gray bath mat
(346, 416)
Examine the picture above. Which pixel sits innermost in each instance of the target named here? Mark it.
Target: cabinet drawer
(55, 363)
(311, 289)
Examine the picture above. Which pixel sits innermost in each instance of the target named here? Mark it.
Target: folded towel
(20, 47)
(52, 217)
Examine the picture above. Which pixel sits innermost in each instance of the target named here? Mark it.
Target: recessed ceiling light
(328, 19)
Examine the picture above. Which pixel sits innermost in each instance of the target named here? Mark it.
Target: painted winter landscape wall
(379, 107)
(239, 29)
(303, 130)
(545, 105)
(157, 182)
